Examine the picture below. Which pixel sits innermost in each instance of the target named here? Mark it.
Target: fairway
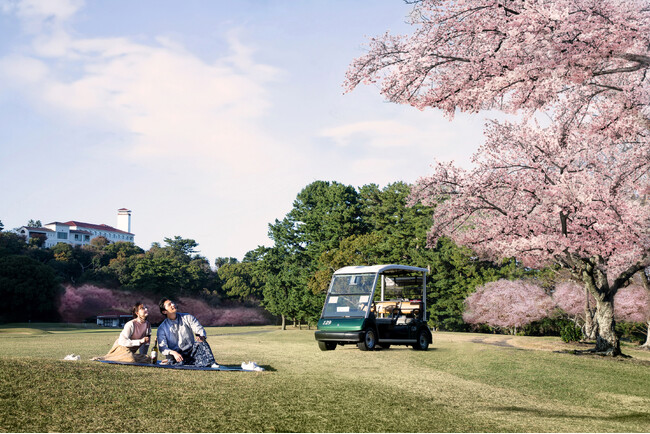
(465, 382)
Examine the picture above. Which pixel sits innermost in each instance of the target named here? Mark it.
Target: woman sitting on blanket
(133, 343)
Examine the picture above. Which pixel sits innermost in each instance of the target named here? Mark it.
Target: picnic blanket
(183, 367)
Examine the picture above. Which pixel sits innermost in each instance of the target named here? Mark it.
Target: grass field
(465, 382)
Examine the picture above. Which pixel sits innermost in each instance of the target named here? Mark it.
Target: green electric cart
(375, 307)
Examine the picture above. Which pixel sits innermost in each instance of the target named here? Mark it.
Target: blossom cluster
(508, 304)
(476, 55)
(541, 193)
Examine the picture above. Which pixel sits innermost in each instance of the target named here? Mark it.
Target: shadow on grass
(227, 368)
(594, 355)
(269, 368)
(502, 343)
(635, 416)
(252, 332)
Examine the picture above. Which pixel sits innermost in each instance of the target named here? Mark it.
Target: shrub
(571, 333)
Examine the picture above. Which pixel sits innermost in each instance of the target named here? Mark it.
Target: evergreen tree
(29, 290)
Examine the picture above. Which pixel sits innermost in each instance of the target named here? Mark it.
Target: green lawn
(458, 385)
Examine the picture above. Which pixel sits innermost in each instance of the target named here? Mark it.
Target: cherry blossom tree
(507, 304)
(633, 305)
(578, 304)
(542, 196)
(570, 191)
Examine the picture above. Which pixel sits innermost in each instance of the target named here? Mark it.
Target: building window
(86, 237)
(76, 236)
(62, 236)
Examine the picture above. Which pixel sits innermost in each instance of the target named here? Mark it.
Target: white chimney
(124, 220)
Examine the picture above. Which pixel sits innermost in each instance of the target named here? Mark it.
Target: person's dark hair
(135, 308)
(161, 304)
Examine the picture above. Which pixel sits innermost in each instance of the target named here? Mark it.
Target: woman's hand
(145, 340)
(176, 355)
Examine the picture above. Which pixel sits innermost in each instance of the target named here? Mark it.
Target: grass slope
(465, 382)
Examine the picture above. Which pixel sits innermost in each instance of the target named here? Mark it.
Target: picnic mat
(189, 368)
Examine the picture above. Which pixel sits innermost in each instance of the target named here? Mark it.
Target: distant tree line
(331, 225)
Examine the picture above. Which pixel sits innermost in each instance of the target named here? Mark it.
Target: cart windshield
(349, 295)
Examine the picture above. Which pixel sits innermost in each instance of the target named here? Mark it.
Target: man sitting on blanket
(176, 338)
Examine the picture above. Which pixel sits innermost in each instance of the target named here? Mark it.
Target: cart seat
(396, 307)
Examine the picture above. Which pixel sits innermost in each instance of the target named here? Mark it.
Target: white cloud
(167, 102)
(22, 71)
(377, 134)
(46, 20)
(42, 10)
(407, 139)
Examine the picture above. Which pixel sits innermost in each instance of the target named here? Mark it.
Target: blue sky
(205, 118)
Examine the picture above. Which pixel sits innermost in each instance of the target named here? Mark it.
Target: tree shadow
(635, 416)
(595, 355)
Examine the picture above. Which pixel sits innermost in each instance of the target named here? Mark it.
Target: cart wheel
(423, 341)
(369, 341)
(326, 346)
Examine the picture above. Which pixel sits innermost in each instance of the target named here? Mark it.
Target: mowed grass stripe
(457, 386)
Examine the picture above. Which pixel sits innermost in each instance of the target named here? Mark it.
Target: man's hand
(146, 340)
(177, 356)
(200, 338)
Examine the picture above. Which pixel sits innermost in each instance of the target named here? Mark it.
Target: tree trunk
(590, 328)
(597, 284)
(647, 338)
(284, 323)
(607, 341)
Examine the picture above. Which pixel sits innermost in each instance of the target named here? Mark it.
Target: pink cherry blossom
(570, 297)
(633, 304)
(507, 304)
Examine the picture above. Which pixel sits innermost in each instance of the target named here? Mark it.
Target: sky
(205, 118)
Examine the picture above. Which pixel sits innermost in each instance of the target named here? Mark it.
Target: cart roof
(378, 269)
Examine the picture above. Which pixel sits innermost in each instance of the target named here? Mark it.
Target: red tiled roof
(96, 227)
